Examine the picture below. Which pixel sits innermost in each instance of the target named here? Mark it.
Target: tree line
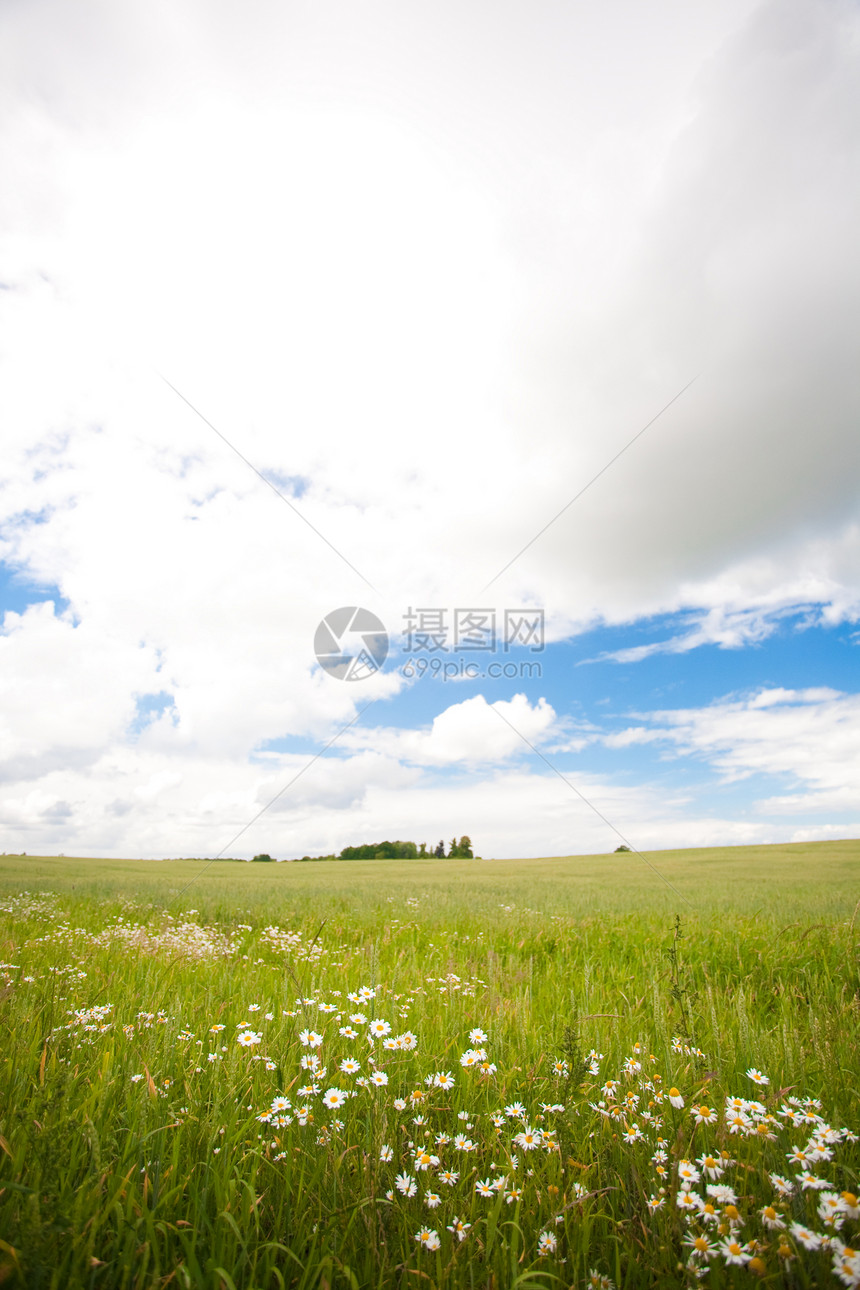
(398, 850)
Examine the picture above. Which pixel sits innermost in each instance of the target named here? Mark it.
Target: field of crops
(561, 1072)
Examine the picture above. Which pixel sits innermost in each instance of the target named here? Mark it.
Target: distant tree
(617, 849)
(263, 857)
(439, 853)
(422, 852)
(381, 851)
(465, 849)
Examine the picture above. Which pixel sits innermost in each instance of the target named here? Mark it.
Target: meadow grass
(555, 1001)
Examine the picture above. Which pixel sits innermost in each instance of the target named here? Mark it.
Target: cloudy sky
(468, 314)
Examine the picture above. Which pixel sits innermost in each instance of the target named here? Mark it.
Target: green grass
(172, 1179)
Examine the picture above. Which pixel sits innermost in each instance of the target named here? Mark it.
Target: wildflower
(529, 1139)
(771, 1218)
(444, 1080)
(689, 1202)
(334, 1098)
(756, 1076)
(516, 1111)
(423, 1160)
(850, 1204)
(688, 1173)
(350, 1066)
(406, 1184)
(512, 1196)
(599, 1280)
(400, 1104)
(380, 1028)
(740, 1122)
(809, 1240)
(846, 1263)
(386, 1154)
(655, 1203)
(782, 1185)
(136, 1078)
(310, 1039)
(248, 1038)
(700, 1247)
(348, 1032)
(722, 1194)
(449, 1177)
(809, 1182)
(379, 1078)
(428, 1238)
(830, 1210)
(432, 1200)
(711, 1167)
(733, 1252)
(462, 1143)
(675, 1098)
(458, 1228)
(484, 1187)
(704, 1115)
(547, 1243)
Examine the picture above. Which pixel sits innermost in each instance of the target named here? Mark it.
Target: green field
(189, 1096)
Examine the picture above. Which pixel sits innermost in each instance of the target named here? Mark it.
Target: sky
(531, 331)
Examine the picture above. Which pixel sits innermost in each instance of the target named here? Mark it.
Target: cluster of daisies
(456, 1162)
(739, 1203)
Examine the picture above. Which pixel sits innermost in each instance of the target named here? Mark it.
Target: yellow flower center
(732, 1212)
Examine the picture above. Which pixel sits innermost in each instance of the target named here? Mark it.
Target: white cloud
(434, 265)
(811, 737)
(473, 732)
